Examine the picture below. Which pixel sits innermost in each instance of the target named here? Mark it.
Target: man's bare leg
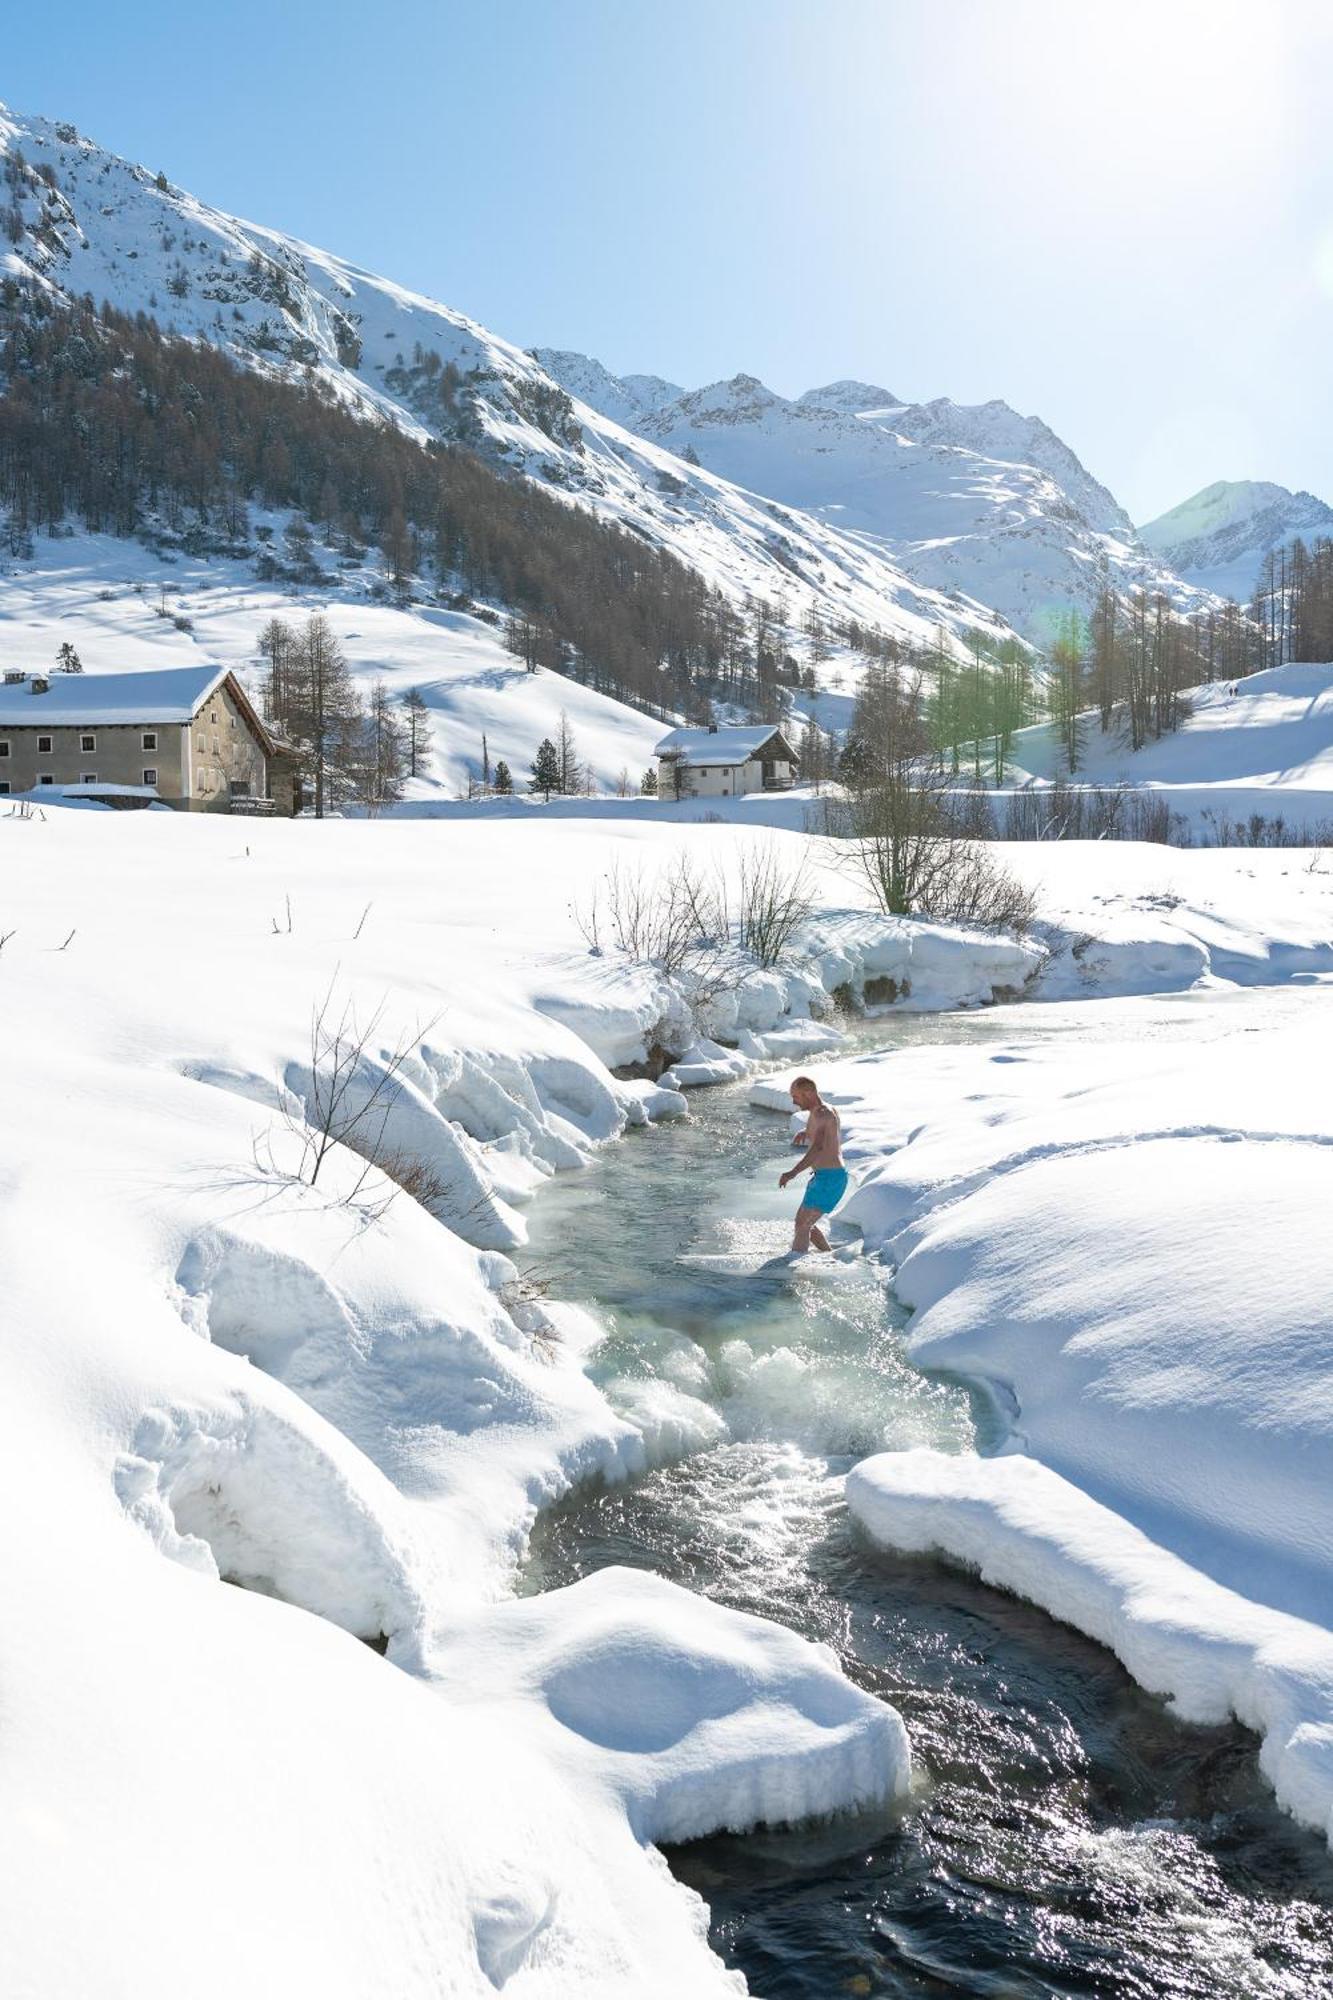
(808, 1232)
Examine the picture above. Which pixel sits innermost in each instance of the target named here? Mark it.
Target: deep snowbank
(1212, 1652)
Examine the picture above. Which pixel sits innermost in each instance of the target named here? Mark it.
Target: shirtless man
(822, 1139)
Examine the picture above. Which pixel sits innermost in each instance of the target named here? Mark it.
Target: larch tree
(567, 756)
(386, 747)
(416, 728)
(325, 710)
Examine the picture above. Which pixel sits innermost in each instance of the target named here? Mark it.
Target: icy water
(1067, 1836)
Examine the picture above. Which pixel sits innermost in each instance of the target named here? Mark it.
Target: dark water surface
(1067, 1835)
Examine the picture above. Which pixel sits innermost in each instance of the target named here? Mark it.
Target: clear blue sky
(1117, 215)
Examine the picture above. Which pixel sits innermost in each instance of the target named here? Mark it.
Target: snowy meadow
(340, 1393)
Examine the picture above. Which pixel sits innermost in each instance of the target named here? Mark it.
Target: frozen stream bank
(1068, 1837)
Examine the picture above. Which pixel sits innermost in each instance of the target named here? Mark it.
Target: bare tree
(418, 743)
(915, 837)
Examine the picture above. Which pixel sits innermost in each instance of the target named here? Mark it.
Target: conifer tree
(546, 769)
(504, 781)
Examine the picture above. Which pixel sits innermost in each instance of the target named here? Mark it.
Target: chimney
(40, 684)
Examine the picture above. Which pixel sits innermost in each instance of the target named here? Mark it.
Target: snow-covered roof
(717, 746)
(169, 694)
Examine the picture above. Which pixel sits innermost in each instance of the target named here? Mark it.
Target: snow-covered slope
(1218, 539)
(91, 223)
(978, 500)
(1263, 744)
(106, 597)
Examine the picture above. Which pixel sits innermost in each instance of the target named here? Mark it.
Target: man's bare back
(822, 1160)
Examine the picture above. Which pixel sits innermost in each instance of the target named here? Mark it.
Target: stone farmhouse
(186, 737)
(720, 763)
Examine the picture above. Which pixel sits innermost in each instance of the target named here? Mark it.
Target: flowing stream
(1067, 1835)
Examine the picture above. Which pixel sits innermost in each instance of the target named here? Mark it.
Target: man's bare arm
(814, 1134)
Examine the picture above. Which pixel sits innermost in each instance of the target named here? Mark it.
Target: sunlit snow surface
(212, 1370)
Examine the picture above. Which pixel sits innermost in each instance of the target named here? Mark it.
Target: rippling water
(1067, 1836)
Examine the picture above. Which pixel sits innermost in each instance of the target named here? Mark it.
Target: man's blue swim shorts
(827, 1187)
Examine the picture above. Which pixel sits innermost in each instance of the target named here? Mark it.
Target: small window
(46, 779)
(43, 746)
(150, 739)
(150, 775)
(87, 743)
(4, 788)
(240, 788)
(88, 778)
(4, 749)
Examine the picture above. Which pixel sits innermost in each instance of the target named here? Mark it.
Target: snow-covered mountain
(1218, 539)
(975, 499)
(79, 220)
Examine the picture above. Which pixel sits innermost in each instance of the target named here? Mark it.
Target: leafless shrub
(1257, 830)
(684, 920)
(351, 1086)
(675, 920)
(972, 888)
(774, 901)
(1090, 812)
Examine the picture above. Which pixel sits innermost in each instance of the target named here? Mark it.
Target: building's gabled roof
(723, 746)
(72, 701)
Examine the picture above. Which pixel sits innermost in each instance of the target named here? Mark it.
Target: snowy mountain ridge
(1218, 538)
(976, 499)
(846, 502)
(82, 221)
